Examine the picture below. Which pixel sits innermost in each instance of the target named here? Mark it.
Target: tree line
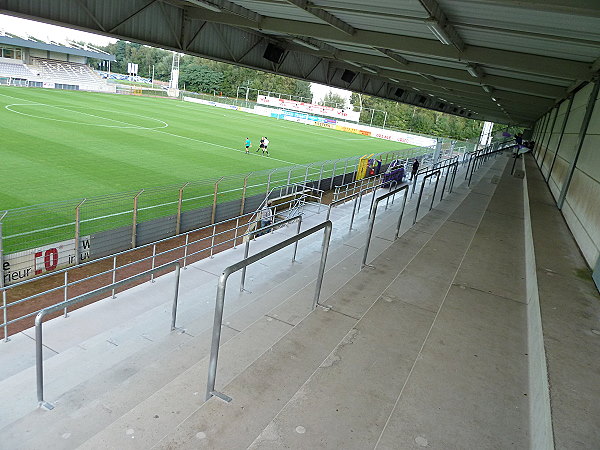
(203, 75)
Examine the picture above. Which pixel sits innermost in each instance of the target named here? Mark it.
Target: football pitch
(62, 145)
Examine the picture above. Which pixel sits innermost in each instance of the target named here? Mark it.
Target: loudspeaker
(441, 105)
(422, 99)
(273, 53)
(348, 76)
(462, 112)
(399, 92)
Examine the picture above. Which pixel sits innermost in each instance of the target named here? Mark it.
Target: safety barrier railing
(39, 320)
(437, 179)
(482, 155)
(440, 165)
(357, 196)
(172, 252)
(355, 186)
(403, 187)
(222, 285)
(265, 228)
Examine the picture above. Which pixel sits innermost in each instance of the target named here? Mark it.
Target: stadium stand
(16, 69)
(68, 73)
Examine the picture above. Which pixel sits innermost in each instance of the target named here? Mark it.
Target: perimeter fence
(41, 238)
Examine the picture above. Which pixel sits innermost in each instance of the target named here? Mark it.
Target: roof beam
(511, 84)
(310, 8)
(521, 62)
(440, 19)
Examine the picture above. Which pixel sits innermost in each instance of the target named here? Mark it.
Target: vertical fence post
(185, 250)
(214, 206)
(345, 169)
(134, 222)
(77, 230)
(243, 204)
(321, 175)
(179, 206)
(332, 176)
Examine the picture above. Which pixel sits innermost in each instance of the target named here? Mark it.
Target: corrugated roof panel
(279, 9)
(385, 24)
(526, 76)
(411, 8)
(504, 16)
(524, 44)
(436, 62)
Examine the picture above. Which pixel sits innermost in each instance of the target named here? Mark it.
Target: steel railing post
(66, 295)
(185, 249)
(353, 213)
(437, 179)
(153, 262)
(246, 253)
(114, 276)
(296, 244)
(212, 241)
(175, 296)
(323, 262)
(179, 208)
(134, 220)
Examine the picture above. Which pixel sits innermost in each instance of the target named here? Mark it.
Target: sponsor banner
(343, 114)
(396, 136)
(348, 127)
(211, 103)
(40, 260)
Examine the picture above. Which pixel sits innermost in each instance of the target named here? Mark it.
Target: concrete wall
(555, 152)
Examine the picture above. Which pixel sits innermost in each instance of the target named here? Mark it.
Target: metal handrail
(220, 300)
(267, 227)
(39, 320)
(404, 187)
(452, 178)
(437, 179)
(357, 196)
(5, 305)
(484, 154)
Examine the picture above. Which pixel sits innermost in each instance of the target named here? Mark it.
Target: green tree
(333, 99)
(200, 78)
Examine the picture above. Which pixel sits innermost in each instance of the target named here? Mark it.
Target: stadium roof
(27, 43)
(508, 61)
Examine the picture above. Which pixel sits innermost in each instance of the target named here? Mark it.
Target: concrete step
(278, 379)
(140, 345)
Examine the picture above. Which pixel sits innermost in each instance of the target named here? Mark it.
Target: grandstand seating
(15, 70)
(67, 72)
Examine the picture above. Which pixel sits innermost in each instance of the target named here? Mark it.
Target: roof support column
(548, 141)
(562, 133)
(582, 134)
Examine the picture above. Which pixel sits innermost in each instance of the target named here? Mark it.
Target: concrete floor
(429, 347)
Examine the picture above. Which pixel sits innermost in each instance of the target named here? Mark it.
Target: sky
(47, 32)
(24, 28)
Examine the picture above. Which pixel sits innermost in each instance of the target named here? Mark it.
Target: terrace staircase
(426, 348)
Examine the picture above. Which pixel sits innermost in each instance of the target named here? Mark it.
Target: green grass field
(61, 145)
